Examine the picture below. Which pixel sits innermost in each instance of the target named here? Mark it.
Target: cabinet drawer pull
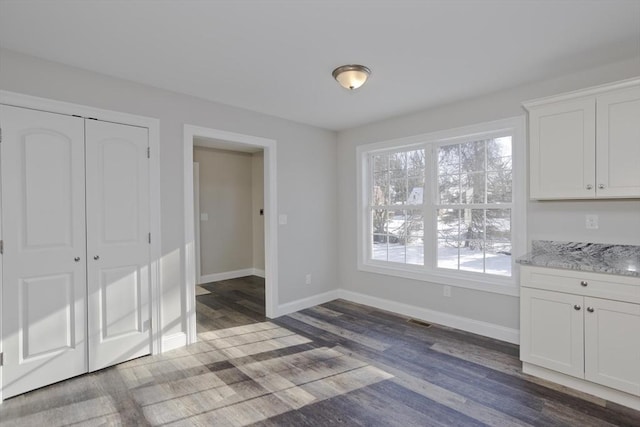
(584, 283)
(601, 186)
(576, 307)
(77, 259)
(590, 309)
(589, 186)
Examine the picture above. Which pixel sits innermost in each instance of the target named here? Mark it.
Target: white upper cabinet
(618, 143)
(586, 144)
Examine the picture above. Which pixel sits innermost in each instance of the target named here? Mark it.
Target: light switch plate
(282, 219)
(204, 217)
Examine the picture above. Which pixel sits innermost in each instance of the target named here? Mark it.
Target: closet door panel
(44, 277)
(117, 242)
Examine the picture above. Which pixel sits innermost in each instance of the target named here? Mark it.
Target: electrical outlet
(446, 291)
(591, 222)
(307, 279)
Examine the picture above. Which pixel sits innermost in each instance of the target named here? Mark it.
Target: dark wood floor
(335, 364)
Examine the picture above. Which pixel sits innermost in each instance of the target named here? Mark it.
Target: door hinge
(148, 152)
(149, 238)
(0, 134)
(1, 246)
(1, 359)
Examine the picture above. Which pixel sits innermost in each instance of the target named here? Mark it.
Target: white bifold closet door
(44, 266)
(65, 313)
(117, 242)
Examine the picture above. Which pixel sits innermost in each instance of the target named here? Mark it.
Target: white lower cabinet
(590, 335)
(612, 344)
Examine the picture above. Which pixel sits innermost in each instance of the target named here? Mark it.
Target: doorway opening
(230, 144)
(229, 233)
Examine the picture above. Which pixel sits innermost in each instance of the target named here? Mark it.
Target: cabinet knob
(576, 307)
(601, 186)
(590, 309)
(589, 186)
(77, 259)
(584, 283)
(96, 257)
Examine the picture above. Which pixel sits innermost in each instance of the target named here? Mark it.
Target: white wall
(257, 197)
(226, 197)
(619, 220)
(306, 170)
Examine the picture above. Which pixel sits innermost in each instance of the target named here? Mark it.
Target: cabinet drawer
(619, 288)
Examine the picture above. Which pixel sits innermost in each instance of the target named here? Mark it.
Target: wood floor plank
(339, 363)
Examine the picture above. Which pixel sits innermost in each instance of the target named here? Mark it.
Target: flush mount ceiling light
(351, 76)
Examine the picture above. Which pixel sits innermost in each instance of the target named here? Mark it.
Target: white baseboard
(227, 275)
(258, 272)
(474, 326)
(173, 341)
(303, 303)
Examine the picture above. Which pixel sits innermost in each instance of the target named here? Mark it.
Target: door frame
(270, 215)
(153, 125)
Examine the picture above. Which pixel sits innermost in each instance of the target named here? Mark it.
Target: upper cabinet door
(562, 150)
(43, 222)
(618, 147)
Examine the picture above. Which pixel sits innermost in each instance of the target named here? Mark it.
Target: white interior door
(117, 173)
(44, 277)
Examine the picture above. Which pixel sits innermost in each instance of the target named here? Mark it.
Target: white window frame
(516, 127)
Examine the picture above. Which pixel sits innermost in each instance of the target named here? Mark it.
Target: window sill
(485, 283)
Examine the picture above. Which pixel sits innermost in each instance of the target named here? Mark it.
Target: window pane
(380, 163)
(379, 247)
(472, 188)
(380, 190)
(472, 256)
(449, 225)
(472, 224)
(448, 253)
(449, 159)
(416, 190)
(398, 191)
(499, 186)
(415, 162)
(472, 156)
(396, 226)
(415, 223)
(398, 161)
(379, 221)
(415, 250)
(498, 225)
(499, 153)
(498, 258)
(449, 189)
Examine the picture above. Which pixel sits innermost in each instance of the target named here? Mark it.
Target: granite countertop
(623, 260)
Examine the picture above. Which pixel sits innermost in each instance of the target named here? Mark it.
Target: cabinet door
(551, 331)
(612, 344)
(618, 144)
(562, 150)
(117, 242)
(43, 220)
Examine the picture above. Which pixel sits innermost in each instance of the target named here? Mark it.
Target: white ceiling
(276, 57)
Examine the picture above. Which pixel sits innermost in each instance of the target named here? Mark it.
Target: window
(445, 206)
(474, 205)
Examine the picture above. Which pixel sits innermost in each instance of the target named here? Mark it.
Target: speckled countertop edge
(622, 260)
